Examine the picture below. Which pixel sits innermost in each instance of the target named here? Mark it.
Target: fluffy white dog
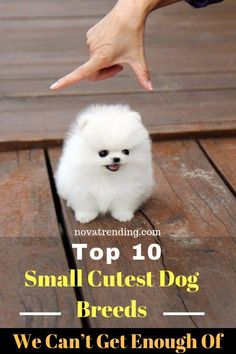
(106, 164)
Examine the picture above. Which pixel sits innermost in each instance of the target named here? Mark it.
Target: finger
(143, 74)
(78, 74)
(108, 72)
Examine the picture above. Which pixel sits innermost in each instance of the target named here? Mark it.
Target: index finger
(80, 73)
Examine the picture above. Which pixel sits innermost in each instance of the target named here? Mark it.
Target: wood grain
(46, 256)
(120, 84)
(71, 8)
(197, 214)
(41, 48)
(191, 200)
(27, 207)
(214, 259)
(48, 8)
(193, 71)
(222, 153)
(166, 114)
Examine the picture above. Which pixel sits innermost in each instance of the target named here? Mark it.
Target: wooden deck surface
(193, 70)
(192, 120)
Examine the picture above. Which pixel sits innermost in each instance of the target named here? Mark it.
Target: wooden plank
(156, 300)
(214, 259)
(46, 8)
(46, 256)
(27, 207)
(167, 114)
(123, 83)
(196, 215)
(191, 200)
(33, 48)
(222, 153)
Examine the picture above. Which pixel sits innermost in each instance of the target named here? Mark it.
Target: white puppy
(106, 163)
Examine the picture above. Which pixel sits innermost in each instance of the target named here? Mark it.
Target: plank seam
(217, 169)
(64, 234)
(159, 242)
(127, 76)
(12, 145)
(85, 94)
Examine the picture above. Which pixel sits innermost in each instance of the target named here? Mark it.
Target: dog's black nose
(116, 159)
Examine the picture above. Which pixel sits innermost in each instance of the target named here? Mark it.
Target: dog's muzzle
(113, 167)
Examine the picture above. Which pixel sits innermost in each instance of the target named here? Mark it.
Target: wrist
(136, 9)
(142, 8)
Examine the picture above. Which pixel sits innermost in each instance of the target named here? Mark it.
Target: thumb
(142, 73)
(80, 73)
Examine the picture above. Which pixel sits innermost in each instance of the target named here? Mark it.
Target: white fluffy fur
(82, 178)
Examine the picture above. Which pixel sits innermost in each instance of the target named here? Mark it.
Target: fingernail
(55, 85)
(149, 86)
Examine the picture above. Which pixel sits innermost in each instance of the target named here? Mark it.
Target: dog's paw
(68, 204)
(122, 215)
(84, 217)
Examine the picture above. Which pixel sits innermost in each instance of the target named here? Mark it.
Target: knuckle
(104, 55)
(145, 73)
(142, 71)
(88, 33)
(88, 40)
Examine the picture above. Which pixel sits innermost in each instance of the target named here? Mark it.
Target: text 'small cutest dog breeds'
(106, 164)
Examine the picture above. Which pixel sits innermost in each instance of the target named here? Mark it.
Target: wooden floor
(192, 120)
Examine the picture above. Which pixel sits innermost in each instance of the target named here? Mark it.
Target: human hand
(115, 40)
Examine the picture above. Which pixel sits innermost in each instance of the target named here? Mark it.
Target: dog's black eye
(103, 153)
(125, 151)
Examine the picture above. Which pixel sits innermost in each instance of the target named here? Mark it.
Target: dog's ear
(83, 120)
(136, 115)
